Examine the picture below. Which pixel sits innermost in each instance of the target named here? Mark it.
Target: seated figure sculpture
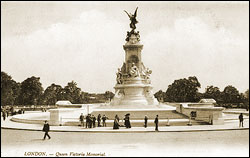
(119, 76)
(134, 72)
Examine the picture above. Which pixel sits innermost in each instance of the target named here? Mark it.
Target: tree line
(31, 92)
(186, 90)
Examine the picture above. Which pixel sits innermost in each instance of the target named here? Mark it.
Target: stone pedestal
(62, 115)
(204, 112)
(133, 88)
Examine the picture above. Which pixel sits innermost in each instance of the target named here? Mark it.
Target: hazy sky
(82, 41)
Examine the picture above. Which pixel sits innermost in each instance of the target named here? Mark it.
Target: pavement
(230, 123)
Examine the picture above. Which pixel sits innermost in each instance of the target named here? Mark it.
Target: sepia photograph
(124, 78)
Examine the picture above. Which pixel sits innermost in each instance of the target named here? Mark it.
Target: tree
(213, 92)
(183, 90)
(109, 95)
(84, 98)
(231, 95)
(10, 90)
(31, 91)
(72, 92)
(160, 95)
(246, 94)
(52, 94)
(246, 101)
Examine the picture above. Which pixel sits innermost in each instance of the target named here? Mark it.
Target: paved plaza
(203, 143)
(20, 139)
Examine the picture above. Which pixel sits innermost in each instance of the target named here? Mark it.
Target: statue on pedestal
(133, 20)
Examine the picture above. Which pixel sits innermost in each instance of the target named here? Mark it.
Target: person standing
(241, 120)
(127, 122)
(90, 121)
(156, 123)
(87, 121)
(145, 121)
(104, 118)
(94, 119)
(116, 123)
(46, 130)
(99, 120)
(81, 119)
(4, 115)
(118, 119)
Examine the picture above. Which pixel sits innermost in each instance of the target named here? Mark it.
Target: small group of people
(6, 112)
(156, 121)
(91, 120)
(43, 109)
(128, 125)
(126, 122)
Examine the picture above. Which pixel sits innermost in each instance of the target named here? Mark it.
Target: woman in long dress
(127, 122)
(116, 124)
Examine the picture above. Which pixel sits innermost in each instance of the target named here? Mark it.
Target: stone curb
(131, 131)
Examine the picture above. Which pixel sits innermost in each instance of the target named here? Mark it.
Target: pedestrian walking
(4, 115)
(104, 118)
(145, 121)
(99, 120)
(156, 123)
(81, 119)
(46, 130)
(241, 120)
(94, 119)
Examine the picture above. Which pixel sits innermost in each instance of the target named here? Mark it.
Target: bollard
(168, 124)
(189, 123)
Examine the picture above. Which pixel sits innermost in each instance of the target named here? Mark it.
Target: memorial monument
(133, 95)
(133, 88)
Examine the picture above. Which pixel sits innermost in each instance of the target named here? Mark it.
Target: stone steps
(139, 115)
(140, 123)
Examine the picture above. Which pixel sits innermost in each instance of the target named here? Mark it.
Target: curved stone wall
(32, 118)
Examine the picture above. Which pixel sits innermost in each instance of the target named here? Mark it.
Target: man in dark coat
(99, 120)
(87, 121)
(81, 119)
(46, 130)
(90, 121)
(94, 119)
(4, 115)
(104, 118)
(145, 121)
(156, 123)
(241, 120)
